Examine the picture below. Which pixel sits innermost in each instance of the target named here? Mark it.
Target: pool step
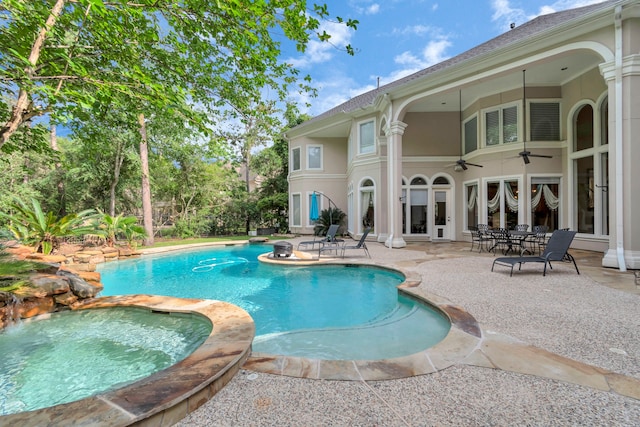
(396, 335)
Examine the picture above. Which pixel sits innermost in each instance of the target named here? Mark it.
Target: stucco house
(407, 155)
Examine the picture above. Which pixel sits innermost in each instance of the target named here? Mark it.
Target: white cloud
(414, 30)
(434, 7)
(505, 14)
(318, 52)
(373, 9)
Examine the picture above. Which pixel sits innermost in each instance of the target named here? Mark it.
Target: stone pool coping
(169, 395)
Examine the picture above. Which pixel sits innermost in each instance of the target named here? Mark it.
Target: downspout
(619, 141)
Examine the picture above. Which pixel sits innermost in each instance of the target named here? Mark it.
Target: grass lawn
(173, 242)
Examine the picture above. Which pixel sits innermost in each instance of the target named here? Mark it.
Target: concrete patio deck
(557, 350)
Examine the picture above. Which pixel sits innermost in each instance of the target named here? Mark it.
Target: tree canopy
(62, 57)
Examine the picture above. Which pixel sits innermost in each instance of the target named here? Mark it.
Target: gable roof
(525, 31)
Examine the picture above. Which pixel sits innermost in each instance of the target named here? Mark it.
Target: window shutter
(492, 120)
(545, 121)
(471, 135)
(510, 124)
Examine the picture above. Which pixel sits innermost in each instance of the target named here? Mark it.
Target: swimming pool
(340, 312)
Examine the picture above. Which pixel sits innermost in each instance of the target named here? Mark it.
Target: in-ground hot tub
(169, 394)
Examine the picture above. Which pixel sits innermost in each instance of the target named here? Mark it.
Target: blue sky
(398, 37)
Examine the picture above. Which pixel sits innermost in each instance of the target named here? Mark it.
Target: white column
(382, 197)
(394, 184)
(623, 79)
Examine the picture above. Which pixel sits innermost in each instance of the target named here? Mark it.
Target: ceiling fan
(525, 154)
(461, 164)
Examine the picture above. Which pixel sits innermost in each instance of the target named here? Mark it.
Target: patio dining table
(510, 239)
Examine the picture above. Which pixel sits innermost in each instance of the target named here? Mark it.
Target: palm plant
(328, 217)
(111, 226)
(32, 226)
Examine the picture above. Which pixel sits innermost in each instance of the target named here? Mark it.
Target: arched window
(415, 205)
(441, 180)
(367, 203)
(591, 168)
(583, 169)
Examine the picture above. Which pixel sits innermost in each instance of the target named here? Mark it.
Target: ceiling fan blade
(463, 164)
(525, 156)
(546, 156)
(473, 164)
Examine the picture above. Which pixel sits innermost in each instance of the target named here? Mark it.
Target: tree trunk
(117, 166)
(147, 217)
(20, 111)
(62, 200)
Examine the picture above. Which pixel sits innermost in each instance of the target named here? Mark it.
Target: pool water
(71, 355)
(324, 311)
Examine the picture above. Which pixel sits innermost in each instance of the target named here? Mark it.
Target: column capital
(395, 128)
(630, 67)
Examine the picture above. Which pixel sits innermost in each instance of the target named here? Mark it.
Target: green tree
(60, 57)
(257, 126)
(272, 164)
(103, 161)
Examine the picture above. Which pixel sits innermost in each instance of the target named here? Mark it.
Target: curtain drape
(494, 204)
(551, 200)
(366, 199)
(473, 198)
(512, 202)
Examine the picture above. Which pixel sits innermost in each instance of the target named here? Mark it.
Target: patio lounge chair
(361, 244)
(329, 237)
(556, 250)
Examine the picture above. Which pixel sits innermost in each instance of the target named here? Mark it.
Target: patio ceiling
(554, 71)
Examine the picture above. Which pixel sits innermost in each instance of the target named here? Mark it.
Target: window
(501, 125)
(471, 135)
(471, 202)
(367, 193)
(296, 215)
(604, 193)
(585, 200)
(510, 124)
(314, 157)
(492, 127)
(583, 129)
(418, 204)
(366, 138)
(591, 169)
(545, 201)
(295, 159)
(545, 121)
(502, 203)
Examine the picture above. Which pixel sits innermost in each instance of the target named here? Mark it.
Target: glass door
(441, 215)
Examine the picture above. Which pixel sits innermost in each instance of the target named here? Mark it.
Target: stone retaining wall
(66, 281)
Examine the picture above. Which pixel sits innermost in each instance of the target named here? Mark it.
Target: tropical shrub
(32, 226)
(110, 227)
(328, 217)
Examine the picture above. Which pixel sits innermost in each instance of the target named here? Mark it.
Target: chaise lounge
(329, 237)
(361, 244)
(556, 250)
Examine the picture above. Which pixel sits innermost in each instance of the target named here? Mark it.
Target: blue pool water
(330, 312)
(75, 354)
